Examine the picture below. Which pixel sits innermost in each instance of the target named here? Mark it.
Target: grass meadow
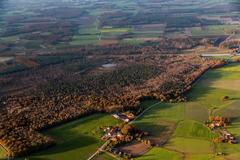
(76, 140)
(192, 140)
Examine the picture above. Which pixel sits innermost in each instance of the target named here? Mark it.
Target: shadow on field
(153, 129)
(203, 87)
(69, 142)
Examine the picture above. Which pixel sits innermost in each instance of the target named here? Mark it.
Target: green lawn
(76, 140)
(84, 39)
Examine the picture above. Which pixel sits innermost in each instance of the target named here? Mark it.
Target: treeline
(161, 46)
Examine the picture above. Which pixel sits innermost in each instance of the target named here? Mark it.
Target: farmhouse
(126, 117)
(110, 133)
(216, 122)
(227, 137)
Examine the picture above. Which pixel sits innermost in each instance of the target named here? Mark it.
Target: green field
(104, 156)
(190, 146)
(214, 30)
(157, 119)
(193, 129)
(191, 137)
(161, 154)
(115, 30)
(76, 140)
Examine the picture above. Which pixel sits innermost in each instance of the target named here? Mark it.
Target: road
(106, 143)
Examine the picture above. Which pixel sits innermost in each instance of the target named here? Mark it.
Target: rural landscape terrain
(120, 79)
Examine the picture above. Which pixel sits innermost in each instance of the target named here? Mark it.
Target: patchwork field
(191, 139)
(214, 30)
(91, 22)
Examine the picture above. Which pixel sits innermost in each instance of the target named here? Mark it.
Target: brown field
(107, 42)
(136, 148)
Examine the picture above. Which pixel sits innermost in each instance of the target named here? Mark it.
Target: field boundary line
(147, 109)
(200, 78)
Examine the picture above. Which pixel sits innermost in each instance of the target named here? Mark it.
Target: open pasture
(193, 129)
(190, 146)
(191, 137)
(76, 139)
(104, 156)
(196, 111)
(153, 120)
(214, 30)
(209, 92)
(160, 154)
(231, 110)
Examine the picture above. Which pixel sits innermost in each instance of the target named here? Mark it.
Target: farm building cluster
(118, 135)
(114, 133)
(111, 133)
(220, 123)
(217, 122)
(227, 137)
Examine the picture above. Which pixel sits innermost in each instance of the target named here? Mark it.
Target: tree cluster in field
(72, 96)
